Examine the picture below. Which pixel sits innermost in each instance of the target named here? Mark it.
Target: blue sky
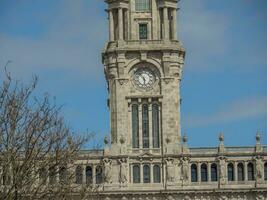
(224, 86)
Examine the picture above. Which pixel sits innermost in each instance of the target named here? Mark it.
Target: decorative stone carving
(222, 170)
(123, 170)
(170, 169)
(107, 170)
(185, 170)
(259, 169)
(123, 81)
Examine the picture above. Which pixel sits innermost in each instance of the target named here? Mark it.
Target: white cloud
(238, 110)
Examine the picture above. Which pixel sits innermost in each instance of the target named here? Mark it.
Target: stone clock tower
(143, 63)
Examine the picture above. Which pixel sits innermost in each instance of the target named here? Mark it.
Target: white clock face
(144, 78)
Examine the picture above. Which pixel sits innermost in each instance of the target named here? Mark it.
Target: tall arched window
(135, 126)
(213, 170)
(99, 175)
(156, 174)
(145, 126)
(204, 173)
(250, 172)
(79, 175)
(240, 172)
(63, 174)
(230, 172)
(155, 124)
(194, 173)
(265, 171)
(146, 175)
(89, 174)
(136, 174)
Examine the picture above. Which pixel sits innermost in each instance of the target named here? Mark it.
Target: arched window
(240, 172)
(146, 175)
(63, 174)
(99, 175)
(156, 174)
(89, 174)
(155, 124)
(79, 175)
(136, 174)
(265, 171)
(230, 172)
(135, 126)
(250, 172)
(204, 173)
(213, 170)
(193, 173)
(145, 126)
(42, 175)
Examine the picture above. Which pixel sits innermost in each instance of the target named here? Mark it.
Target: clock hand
(144, 79)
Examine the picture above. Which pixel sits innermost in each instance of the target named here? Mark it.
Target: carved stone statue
(259, 169)
(170, 169)
(107, 170)
(123, 170)
(185, 169)
(222, 170)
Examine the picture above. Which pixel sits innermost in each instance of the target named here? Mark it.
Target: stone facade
(146, 157)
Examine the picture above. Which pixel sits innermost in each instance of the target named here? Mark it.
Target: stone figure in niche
(222, 170)
(107, 170)
(123, 170)
(170, 170)
(259, 169)
(185, 169)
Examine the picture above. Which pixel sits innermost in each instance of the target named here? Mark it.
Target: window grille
(213, 170)
(135, 126)
(156, 174)
(136, 174)
(193, 173)
(142, 31)
(155, 125)
(230, 170)
(250, 172)
(142, 5)
(145, 126)
(240, 172)
(146, 175)
(204, 173)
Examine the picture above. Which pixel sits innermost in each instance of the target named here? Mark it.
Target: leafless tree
(37, 148)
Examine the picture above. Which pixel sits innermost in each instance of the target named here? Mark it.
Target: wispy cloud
(72, 41)
(242, 109)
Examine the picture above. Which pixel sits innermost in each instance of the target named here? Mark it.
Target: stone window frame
(204, 174)
(150, 101)
(214, 174)
(194, 176)
(231, 178)
(240, 171)
(250, 171)
(265, 171)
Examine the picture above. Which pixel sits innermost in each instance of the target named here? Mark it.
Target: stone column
(199, 172)
(94, 174)
(140, 125)
(235, 171)
(245, 171)
(174, 16)
(120, 22)
(150, 125)
(209, 172)
(84, 174)
(151, 173)
(141, 173)
(165, 23)
(111, 25)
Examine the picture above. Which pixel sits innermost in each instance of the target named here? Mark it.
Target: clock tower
(143, 62)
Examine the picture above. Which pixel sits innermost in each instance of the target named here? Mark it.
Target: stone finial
(258, 137)
(106, 140)
(221, 137)
(221, 146)
(185, 138)
(258, 142)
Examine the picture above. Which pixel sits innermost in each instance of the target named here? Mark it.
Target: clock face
(144, 78)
